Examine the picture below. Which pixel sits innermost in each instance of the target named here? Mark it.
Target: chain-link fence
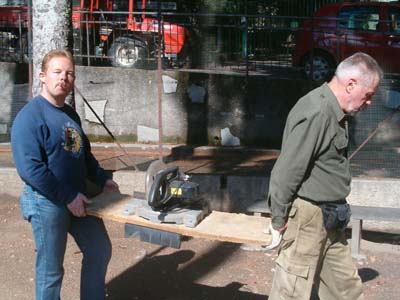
(264, 44)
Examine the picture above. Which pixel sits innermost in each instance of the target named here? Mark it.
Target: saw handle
(159, 192)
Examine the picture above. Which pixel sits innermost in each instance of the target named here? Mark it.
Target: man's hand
(110, 186)
(78, 206)
(276, 236)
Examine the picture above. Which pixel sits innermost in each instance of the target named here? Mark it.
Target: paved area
(200, 270)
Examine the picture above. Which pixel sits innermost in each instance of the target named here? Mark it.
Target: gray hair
(361, 65)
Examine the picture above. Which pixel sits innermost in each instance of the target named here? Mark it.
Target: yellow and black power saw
(168, 188)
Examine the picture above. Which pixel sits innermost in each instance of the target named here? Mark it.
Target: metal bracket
(154, 236)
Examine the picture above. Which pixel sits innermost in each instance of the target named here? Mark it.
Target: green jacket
(312, 164)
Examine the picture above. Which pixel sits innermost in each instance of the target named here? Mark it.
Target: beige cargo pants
(311, 255)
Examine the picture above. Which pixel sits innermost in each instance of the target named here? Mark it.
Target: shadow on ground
(174, 276)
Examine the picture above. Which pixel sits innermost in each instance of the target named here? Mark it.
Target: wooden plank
(221, 226)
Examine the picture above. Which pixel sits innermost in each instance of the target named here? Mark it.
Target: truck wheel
(322, 66)
(128, 53)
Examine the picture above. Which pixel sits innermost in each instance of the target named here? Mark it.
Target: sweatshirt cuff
(102, 180)
(70, 197)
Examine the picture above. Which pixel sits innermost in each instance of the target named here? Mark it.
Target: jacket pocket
(341, 141)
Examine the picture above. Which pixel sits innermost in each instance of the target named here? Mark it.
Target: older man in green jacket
(309, 185)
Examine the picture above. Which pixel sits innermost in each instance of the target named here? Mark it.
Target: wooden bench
(259, 207)
(358, 214)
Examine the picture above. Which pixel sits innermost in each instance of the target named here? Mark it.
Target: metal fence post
(87, 38)
(159, 84)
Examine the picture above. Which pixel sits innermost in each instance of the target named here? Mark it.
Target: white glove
(276, 237)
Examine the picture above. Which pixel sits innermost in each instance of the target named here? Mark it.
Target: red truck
(123, 31)
(338, 30)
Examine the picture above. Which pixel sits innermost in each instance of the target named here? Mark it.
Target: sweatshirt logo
(72, 140)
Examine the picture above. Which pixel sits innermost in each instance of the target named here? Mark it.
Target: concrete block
(98, 107)
(228, 139)
(170, 84)
(383, 192)
(147, 134)
(3, 128)
(130, 181)
(379, 192)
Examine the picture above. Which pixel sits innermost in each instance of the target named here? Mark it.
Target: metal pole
(21, 49)
(30, 46)
(87, 38)
(246, 40)
(159, 85)
(372, 134)
(106, 128)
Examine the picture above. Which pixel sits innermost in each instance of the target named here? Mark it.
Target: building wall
(196, 111)
(199, 108)
(195, 106)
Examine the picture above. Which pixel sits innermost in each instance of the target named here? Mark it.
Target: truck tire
(128, 52)
(323, 67)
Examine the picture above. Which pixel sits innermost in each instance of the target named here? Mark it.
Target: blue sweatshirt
(51, 152)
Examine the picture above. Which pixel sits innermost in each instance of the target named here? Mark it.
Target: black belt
(318, 203)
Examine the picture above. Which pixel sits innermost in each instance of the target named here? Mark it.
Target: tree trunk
(51, 29)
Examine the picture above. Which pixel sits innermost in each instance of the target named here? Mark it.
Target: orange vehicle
(14, 22)
(132, 41)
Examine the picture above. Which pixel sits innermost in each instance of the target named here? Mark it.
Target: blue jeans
(51, 222)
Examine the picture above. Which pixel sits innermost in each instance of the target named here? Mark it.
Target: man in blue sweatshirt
(53, 157)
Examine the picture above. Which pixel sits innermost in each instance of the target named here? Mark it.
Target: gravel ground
(201, 269)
